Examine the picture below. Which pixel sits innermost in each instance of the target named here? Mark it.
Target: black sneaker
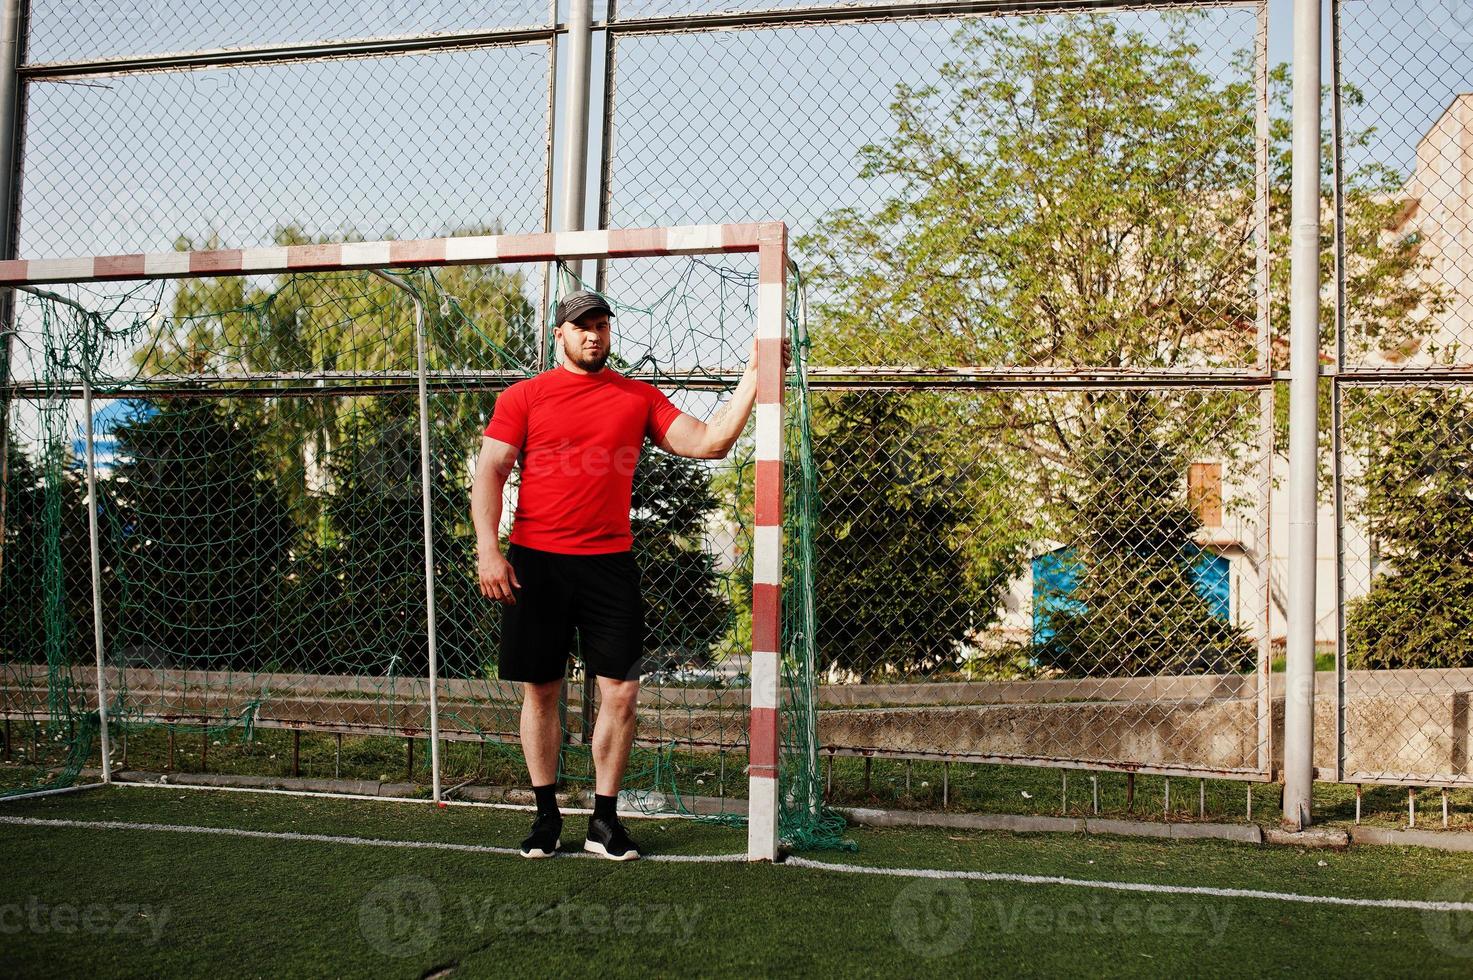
(546, 837)
(607, 838)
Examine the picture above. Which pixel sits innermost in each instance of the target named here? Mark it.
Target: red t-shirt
(580, 437)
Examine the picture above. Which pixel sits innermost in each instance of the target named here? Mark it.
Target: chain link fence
(1029, 547)
(1401, 423)
(1042, 255)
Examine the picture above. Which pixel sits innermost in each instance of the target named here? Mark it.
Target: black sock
(603, 807)
(546, 800)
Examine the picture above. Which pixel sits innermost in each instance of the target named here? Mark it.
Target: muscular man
(578, 430)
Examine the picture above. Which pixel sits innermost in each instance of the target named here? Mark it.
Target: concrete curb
(1327, 837)
(866, 817)
(1460, 841)
(1245, 833)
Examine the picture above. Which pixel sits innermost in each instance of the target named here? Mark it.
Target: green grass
(231, 906)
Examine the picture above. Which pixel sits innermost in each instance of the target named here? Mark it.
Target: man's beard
(587, 361)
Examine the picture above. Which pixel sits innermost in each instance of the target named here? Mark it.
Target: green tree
(685, 610)
(1416, 496)
(45, 581)
(1074, 191)
(355, 601)
(203, 536)
(893, 594)
(1135, 609)
(477, 319)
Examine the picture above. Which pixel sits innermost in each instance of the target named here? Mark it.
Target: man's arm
(689, 436)
(493, 466)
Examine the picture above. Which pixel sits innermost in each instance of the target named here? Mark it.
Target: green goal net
(260, 550)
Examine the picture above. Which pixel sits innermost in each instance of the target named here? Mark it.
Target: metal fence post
(92, 547)
(427, 508)
(12, 40)
(575, 125)
(1304, 318)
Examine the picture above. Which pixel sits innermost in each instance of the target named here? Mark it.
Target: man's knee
(542, 696)
(621, 697)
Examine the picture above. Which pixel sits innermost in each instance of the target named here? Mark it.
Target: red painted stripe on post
(766, 609)
(639, 241)
(770, 265)
(739, 238)
(13, 270)
(527, 247)
(314, 257)
(762, 748)
(219, 260)
(769, 383)
(768, 492)
(118, 266)
(423, 251)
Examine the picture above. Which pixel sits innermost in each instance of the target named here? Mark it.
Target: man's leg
(541, 730)
(613, 733)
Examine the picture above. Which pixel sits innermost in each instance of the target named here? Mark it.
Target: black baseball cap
(581, 303)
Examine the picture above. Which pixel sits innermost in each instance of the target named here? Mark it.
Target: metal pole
(547, 267)
(426, 505)
(92, 502)
(575, 125)
(606, 136)
(12, 42)
(1337, 393)
(1304, 353)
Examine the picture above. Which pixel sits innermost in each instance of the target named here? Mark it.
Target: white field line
(795, 862)
(1134, 886)
(324, 795)
(333, 839)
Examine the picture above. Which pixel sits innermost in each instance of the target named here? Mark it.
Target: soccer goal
(245, 523)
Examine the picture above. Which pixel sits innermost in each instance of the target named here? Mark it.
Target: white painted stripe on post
(581, 244)
(769, 311)
(761, 818)
(366, 253)
(693, 239)
(165, 263)
(56, 270)
(764, 680)
(271, 259)
(767, 555)
(472, 247)
(769, 431)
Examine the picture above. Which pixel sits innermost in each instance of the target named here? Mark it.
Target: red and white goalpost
(767, 239)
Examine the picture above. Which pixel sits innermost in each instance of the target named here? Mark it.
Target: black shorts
(597, 595)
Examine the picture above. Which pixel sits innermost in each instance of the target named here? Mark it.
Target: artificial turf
(166, 903)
